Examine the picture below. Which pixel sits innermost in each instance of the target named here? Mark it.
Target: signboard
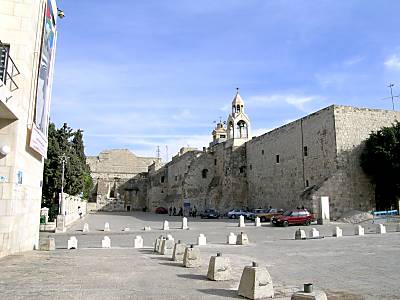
(45, 78)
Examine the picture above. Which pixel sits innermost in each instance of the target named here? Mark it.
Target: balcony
(8, 85)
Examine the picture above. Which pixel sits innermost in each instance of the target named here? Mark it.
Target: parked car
(209, 213)
(161, 210)
(236, 213)
(296, 216)
(265, 215)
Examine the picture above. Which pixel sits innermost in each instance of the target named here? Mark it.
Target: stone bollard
(106, 242)
(337, 232)
(241, 222)
(167, 247)
(300, 234)
(159, 247)
(202, 240)
(86, 227)
(398, 227)
(219, 268)
(256, 283)
(72, 243)
(185, 223)
(359, 230)
(179, 251)
(242, 239)
(147, 228)
(127, 229)
(165, 225)
(157, 243)
(308, 293)
(232, 238)
(257, 222)
(48, 244)
(138, 242)
(191, 258)
(381, 229)
(314, 233)
(106, 227)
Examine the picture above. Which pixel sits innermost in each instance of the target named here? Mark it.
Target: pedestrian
(180, 212)
(80, 212)
(190, 212)
(174, 211)
(170, 210)
(194, 212)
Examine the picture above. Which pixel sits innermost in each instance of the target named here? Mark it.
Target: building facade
(27, 53)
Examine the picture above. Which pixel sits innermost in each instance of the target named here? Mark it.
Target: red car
(161, 210)
(296, 216)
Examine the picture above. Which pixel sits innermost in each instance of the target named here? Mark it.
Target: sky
(140, 74)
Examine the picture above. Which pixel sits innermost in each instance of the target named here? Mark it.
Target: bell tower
(238, 122)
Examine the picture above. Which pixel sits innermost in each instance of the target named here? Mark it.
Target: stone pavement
(352, 267)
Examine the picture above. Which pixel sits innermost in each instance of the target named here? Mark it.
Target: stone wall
(69, 208)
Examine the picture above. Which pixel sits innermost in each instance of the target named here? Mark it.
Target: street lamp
(63, 159)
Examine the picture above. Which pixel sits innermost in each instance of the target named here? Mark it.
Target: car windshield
(287, 213)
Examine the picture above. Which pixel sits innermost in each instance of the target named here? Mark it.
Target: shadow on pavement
(193, 276)
(221, 292)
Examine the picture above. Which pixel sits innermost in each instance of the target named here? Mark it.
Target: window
(262, 152)
(305, 151)
(242, 169)
(176, 178)
(215, 162)
(307, 183)
(204, 173)
(251, 167)
(277, 158)
(3, 62)
(162, 179)
(222, 136)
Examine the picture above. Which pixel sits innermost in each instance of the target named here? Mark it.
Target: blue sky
(138, 74)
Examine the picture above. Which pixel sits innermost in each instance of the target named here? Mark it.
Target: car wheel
(308, 223)
(263, 219)
(285, 223)
(233, 216)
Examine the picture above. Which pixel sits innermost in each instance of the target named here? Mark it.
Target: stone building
(120, 180)
(27, 54)
(290, 166)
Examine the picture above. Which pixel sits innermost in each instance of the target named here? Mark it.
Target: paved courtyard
(351, 267)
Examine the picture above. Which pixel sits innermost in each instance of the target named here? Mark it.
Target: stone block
(127, 229)
(241, 222)
(300, 234)
(184, 223)
(160, 244)
(179, 251)
(219, 268)
(86, 227)
(106, 227)
(314, 233)
(191, 258)
(167, 247)
(106, 242)
(359, 230)
(72, 243)
(256, 283)
(138, 242)
(232, 238)
(381, 229)
(157, 243)
(257, 222)
(242, 239)
(147, 228)
(47, 244)
(317, 295)
(202, 240)
(398, 227)
(337, 232)
(165, 225)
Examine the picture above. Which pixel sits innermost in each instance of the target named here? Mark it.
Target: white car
(236, 213)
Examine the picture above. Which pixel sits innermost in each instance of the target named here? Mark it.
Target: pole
(391, 93)
(63, 160)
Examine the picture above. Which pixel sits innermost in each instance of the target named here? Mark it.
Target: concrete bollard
(309, 294)
(72, 243)
(381, 229)
(48, 244)
(191, 258)
(85, 227)
(256, 283)
(179, 251)
(232, 238)
(185, 223)
(138, 242)
(398, 227)
(159, 248)
(165, 225)
(147, 228)
(300, 234)
(337, 232)
(241, 222)
(219, 268)
(106, 227)
(242, 239)
(202, 240)
(167, 247)
(157, 243)
(359, 230)
(106, 242)
(127, 229)
(257, 222)
(314, 233)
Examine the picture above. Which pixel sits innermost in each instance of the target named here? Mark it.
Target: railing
(8, 69)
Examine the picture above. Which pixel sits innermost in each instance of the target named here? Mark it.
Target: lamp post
(63, 159)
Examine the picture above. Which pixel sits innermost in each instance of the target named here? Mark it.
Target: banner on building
(45, 78)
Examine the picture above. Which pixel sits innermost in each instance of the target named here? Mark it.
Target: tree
(380, 160)
(77, 179)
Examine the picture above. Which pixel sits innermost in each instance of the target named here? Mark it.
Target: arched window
(162, 179)
(242, 130)
(204, 173)
(238, 108)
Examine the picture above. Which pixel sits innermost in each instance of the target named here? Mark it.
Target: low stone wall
(69, 208)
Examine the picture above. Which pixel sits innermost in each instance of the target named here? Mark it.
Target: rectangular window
(222, 136)
(176, 178)
(277, 158)
(305, 151)
(215, 162)
(251, 167)
(307, 183)
(262, 152)
(3, 62)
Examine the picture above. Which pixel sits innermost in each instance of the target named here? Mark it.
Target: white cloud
(298, 101)
(353, 60)
(393, 62)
